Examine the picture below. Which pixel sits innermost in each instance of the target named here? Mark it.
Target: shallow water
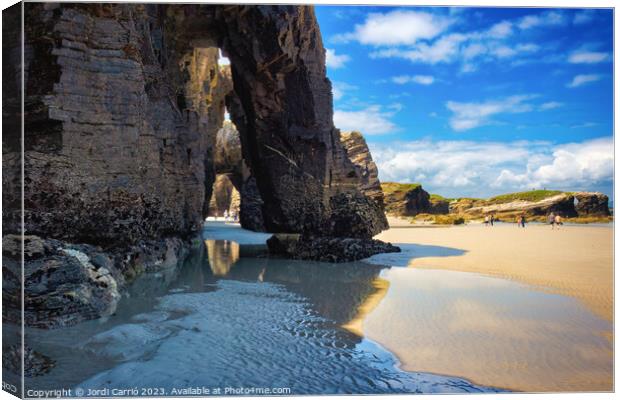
(222, 321)
(226, 321)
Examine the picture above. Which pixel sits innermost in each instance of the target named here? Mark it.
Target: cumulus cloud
(425, 37)
(372, 120)
(571, 165)
(580, 80)
(480, 169)
(334, 60)
(400, 27)
(588, 57)
(419, 79)
(500, 30)
(550, 105)
(467, 116)
(544, 19)
(444, 49)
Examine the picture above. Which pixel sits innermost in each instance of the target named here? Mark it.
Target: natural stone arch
(123, 102)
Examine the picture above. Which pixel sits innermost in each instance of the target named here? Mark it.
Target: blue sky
(477, 101)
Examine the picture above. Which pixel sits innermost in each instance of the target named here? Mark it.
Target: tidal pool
(231, 319)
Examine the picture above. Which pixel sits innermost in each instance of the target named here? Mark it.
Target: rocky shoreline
(412, 201)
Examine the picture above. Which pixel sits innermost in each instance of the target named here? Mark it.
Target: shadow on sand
(411, 251)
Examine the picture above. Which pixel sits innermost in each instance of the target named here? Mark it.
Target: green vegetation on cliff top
(532, 195)
(393, 187)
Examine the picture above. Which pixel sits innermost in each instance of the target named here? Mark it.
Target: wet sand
(546, 327)
(576, 261)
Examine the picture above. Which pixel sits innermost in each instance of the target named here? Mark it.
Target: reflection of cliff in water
(341, 292)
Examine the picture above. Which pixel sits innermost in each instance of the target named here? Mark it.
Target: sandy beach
(523, 309)
(576, 261)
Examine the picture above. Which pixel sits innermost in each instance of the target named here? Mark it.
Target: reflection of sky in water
(228, 320)
(225, 320)
(491, 330)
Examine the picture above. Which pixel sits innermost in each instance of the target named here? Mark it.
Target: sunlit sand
(547, 327)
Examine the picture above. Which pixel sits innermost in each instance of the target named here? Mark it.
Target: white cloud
(572, 165)
(550, 105)
(372, 120)
(480, 169)
(334, 60)
(583, 17)
(471, 115)
(544, 19)
(419, 79)
(400, 27)
(580, 80)
(587, 57)
(445, 49)
(340, 88)
(500, 30)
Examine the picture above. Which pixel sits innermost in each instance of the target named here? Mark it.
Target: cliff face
(410, 199)
(359, 154)
(123, 103)
(567, 204)
(122, 106)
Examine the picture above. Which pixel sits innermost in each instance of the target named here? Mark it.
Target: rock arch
(123, 102)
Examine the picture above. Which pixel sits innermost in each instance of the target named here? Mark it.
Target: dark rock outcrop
(591, 204)
(69, 283)
(251, 214)
(326, 249)
(63, 284)
(409, 199)
(35, 363)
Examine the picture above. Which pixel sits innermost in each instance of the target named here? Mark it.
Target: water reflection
(338, 292)
(222, 255)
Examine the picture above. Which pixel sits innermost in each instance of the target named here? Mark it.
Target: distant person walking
(558, 221)
(225, 215)
(492, 219)
(523, 221)
(551, 220)
(486, 220)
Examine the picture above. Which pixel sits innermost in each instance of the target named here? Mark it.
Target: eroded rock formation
(410, 199)
(359, 154)
(567, 204)
(122, 106)
(326, 249)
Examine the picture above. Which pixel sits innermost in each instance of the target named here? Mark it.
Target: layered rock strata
(122, 106)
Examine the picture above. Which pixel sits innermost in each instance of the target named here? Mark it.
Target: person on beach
(486, 220)
(492, 219)
(551, 220)
(523, 221)
(558, 221)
